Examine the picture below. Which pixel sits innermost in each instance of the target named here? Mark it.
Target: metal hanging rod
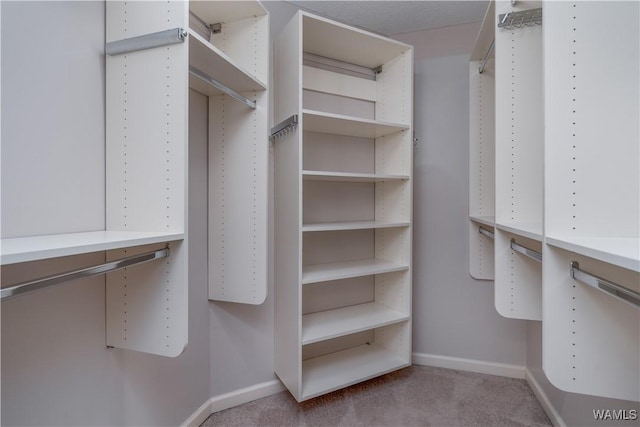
(147, 41)
(619, 292)
(485, 232)
(342, 67)
(486, 56)
(523, 18)
(535, 255)
(221, 86)
(44, 282)
(284, 127)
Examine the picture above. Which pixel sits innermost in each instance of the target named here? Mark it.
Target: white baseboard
(234, 398)
(544, 400)
(471, 365)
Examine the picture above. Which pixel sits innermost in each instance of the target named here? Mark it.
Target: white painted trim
(470, 365)
(544, 400)
(231, 399)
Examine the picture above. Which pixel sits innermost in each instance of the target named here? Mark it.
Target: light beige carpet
(414, 396)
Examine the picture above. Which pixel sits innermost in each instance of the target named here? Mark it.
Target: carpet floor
(414, 396)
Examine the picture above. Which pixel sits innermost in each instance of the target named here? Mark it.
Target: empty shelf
(347, 269)
(336, 370)
(485, 220)
(337, 124)
(353, 225)
(350, 177)
(530, 230)
(209, 59)
(620, 251)
(329, 324)
(23, 249)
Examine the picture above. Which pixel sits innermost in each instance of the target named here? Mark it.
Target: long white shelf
(620, 251)
(209, 59)
(348, 269)
(530, 230)
(338, 322)
(337, 124)
(341, 369)
(489, 221)
(23, 249)
(350, 177)
(353, 225)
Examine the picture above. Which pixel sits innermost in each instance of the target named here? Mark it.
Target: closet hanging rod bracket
(221, 87)
(486, 56)
(617, 291)
(486, 232)
(283, 127)
(523, 18)
(534, 255)
(146, 41)
(107, 267)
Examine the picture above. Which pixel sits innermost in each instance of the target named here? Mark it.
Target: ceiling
(397, 16)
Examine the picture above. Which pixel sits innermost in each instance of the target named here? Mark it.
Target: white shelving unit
(519, 145)
(591, 339)
(482, 149)
(343, 206)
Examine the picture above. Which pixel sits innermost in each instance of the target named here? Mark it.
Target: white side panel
(146, 156)
(288, 208)
(590, 340)
(481, 253)
(519, 120)
(238, 197)
(394, 87)
(518, 278)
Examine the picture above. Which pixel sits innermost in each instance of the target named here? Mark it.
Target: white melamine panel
(238, 189)
(621, 251)
(288, 209)
(519, 123)
(23, 249)
(335, 201)
(592, 120)
(335, 153)
(339, 84)
(336, 104)
(394, 90)
(208, 59)
(146, 305)
(518, 278)
(341, 369)
(590, 340)
(343, 43)
(330, 324)
(489, 221)
(213, 12)
(343, 270)
(352, 225)
(481, 250)
(350, 177)
(127, 19)
(394, 153)
(530, 230)
(317, 121)
(323, 296)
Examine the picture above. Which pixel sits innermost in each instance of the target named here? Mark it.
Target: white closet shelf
(353, 225)
(24, 249)
(489, 221)
(350, 177)
(226, 11)
(347, 269)
(327, 373)
(343, 43)
(620, 251)
(338, 124)
(209, 59)
(325, 325)
(530, 230)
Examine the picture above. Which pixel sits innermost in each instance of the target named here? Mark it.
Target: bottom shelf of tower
(333, 371)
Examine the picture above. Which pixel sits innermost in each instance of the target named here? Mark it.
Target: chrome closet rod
(44, 282)
(613, 289)
(146, 41)
(284, 127)
(486, 56)
(535, 255)
(485, 232)
(221, 86)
